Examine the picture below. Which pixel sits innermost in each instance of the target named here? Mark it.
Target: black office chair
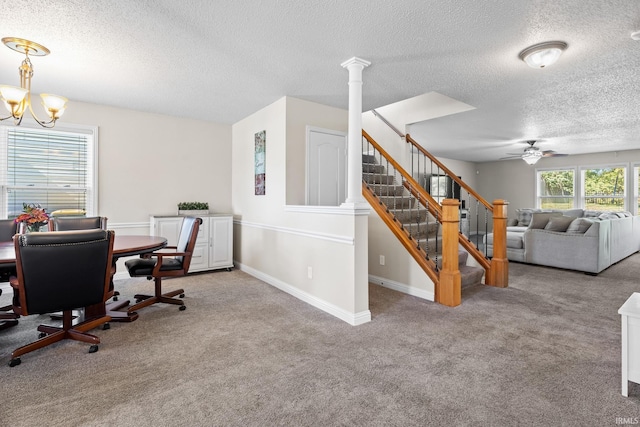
(62, 271)
(77, 223)
(166, 264)
(8, 228)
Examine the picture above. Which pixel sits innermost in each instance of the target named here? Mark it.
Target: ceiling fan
(532, 154)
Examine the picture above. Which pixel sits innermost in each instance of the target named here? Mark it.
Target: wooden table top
(122, 246)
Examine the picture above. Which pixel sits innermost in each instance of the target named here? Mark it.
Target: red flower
(33, 214)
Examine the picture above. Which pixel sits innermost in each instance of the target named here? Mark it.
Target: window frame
(624, 197)
(91, 132)
(539, 171)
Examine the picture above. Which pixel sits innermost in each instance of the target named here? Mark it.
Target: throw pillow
(579, 226)
(524, 216)
(559, 223)
(540, 219)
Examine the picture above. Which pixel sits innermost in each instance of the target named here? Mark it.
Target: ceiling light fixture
(18, 99)
(532, 155)
(542, 55)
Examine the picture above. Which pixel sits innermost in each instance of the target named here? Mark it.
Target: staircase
(409, 219)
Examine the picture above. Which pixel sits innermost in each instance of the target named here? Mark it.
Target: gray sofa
(574, 239)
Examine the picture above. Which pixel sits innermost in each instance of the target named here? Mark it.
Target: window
(55, 168)
(556, 189)
(604, 189)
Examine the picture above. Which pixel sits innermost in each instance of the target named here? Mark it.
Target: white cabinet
(630, 314)
(214, 246)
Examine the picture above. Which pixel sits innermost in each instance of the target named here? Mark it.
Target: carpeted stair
(418, 222)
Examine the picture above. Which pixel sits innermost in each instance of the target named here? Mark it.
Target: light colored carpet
(545, 351)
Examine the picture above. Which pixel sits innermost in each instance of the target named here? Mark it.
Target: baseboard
(353, 319)
(401, 287)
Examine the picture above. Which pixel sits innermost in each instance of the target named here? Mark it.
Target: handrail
(460, 182)
(433, 206)
(386, 122)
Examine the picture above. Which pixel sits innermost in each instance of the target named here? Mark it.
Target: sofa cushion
(559, 223)
(540, 219)
(524, 216)
(576, 213)
(579, 226)
(591, 214)
(608, 215)
(514, 240)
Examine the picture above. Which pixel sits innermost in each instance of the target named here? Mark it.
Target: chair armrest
(160, 255)
(13, 281)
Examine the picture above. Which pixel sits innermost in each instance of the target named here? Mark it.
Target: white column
(354, 143)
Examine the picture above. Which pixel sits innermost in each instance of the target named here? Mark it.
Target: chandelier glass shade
(17, 100)
(531, 157)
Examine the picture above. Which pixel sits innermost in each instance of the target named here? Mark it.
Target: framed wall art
(259, 162)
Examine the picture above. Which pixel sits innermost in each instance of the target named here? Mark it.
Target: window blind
(48, 168)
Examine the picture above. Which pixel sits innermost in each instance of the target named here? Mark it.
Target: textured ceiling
(221, 61)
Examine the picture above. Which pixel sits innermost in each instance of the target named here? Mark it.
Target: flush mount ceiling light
(542, 55)
(18, 99)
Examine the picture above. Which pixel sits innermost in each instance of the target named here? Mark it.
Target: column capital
(355, 61)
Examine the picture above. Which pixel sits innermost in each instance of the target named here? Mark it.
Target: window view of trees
(604, 189)
(556, 189)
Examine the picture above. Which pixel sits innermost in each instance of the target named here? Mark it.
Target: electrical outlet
(310, 272)
(381, 259)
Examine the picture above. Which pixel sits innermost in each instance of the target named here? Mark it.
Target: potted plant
(34, 217)
(193, 208)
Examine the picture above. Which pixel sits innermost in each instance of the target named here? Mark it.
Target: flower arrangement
(34, 216)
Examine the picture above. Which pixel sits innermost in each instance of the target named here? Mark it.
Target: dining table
(123, 246)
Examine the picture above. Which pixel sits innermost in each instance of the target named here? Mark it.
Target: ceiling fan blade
(517, 156)
(551, 153)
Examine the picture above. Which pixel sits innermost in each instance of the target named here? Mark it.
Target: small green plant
(193, 206)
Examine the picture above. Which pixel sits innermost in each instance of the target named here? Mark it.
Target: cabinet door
(200, 258)
(221, 242)
(168, 228)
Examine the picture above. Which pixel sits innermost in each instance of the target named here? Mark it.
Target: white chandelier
(18, 99)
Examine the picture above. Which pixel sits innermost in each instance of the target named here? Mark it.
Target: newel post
(449, 290)
(499, 273)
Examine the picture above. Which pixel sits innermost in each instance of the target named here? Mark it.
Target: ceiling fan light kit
(542, 55)
(18, 99)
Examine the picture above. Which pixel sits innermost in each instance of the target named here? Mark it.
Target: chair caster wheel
(93, 348)
(138, 300)
(181, 295)
(42, 335)
(15, 362)
(182, 308)
(106, 326)
(115, 298)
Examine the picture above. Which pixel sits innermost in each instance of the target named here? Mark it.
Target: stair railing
(398, 199)
(477, 210)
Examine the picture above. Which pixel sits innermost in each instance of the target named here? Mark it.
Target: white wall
(150, 162)
(299, 114)
(279, 243)
(147, 163)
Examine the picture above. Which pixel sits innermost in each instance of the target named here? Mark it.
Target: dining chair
(7, 317)
(77, 223)
(62, 271)
(164, 263)
(8, 229)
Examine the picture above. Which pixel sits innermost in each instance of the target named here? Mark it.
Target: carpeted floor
(545, 351)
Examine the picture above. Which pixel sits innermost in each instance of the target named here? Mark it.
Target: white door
(326, 167)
